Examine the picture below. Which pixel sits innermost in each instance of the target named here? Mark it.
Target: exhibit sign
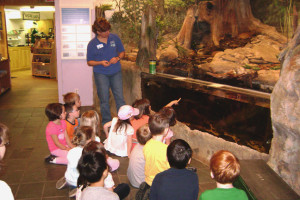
(75, 32)
(35, 16)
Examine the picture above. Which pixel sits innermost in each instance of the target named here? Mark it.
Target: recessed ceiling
(28, 9)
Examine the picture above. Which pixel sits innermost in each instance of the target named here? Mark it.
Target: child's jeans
(61, 156)
(122, 190)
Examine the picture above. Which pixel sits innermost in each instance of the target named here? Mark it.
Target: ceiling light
(38, 9)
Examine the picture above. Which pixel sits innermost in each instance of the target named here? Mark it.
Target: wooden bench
(264, 183)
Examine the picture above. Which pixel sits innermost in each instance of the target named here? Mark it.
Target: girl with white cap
(119, 137)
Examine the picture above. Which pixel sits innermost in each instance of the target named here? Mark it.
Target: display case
(43, 58)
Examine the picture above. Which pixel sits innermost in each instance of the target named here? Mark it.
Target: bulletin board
(75, 32)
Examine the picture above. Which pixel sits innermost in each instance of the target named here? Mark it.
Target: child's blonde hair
(91, 118)
(71, 98)
(81, 135)
(3, 134)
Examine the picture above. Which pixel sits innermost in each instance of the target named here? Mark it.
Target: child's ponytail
(81, 135)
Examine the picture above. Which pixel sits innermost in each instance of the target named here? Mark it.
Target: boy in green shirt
(225, 168)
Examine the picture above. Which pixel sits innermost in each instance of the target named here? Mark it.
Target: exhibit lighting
(37, 8)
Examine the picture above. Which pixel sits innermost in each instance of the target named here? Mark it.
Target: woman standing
(104, 53)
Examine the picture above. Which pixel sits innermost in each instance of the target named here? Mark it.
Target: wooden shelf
(41, 75)
(42, 63)
(44, 48)
(44, 60)
(42, 54)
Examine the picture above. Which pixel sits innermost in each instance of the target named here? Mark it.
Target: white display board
(75, 32)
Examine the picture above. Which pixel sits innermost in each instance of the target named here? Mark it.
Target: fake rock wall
(285, 114)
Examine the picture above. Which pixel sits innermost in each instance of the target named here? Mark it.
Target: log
(148, 42)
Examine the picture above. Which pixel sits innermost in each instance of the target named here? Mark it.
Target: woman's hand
(105, 63)
(114, 60)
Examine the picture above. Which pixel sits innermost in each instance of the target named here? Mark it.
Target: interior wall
(73, 74)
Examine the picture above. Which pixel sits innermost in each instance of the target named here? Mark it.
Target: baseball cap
(127, 111)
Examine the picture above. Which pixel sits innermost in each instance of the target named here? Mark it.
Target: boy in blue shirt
(176, 183)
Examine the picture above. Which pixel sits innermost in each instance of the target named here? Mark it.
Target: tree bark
(225, 17)
(184, 36)
(148, 44)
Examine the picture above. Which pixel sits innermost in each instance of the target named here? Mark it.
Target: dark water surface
(237, 117)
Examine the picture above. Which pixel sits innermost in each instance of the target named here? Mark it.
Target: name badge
(99, 46)
(112, 43)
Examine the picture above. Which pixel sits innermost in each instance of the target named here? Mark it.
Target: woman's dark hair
(179, 153)
(170, 113)
(122, 124)
(53, 111)
(91, 166)
(144, 107)
(101, 25)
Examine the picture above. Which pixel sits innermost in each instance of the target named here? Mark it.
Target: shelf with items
(43, 59)
(5, 82)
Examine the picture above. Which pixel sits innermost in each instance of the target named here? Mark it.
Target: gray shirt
(98, 193)
(136, 167)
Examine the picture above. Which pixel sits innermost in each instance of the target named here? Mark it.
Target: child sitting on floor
(136, 167)
(176, 182)
(86, 187)
(225, 168)
(169, 112)
(119, 137)
(56, 135)
(91, 118)
(72, 98)
(93, 170)
(82, 136)
(155, 153)
(5, 190)
(143, 105)
(71, 119)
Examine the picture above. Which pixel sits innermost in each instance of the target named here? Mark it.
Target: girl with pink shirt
(56, 135)
(170, 114)
(143, 105)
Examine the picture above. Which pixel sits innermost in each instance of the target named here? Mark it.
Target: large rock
(285, 114)
(262, 50)
(168, 54)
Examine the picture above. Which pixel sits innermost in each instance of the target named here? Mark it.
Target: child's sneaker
(50, 158)
(61, 183)
(72, 193)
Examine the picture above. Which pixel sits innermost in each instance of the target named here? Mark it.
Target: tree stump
(148, 44)
(225, 17)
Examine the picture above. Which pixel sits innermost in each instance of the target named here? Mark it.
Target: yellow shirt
(155, 153)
